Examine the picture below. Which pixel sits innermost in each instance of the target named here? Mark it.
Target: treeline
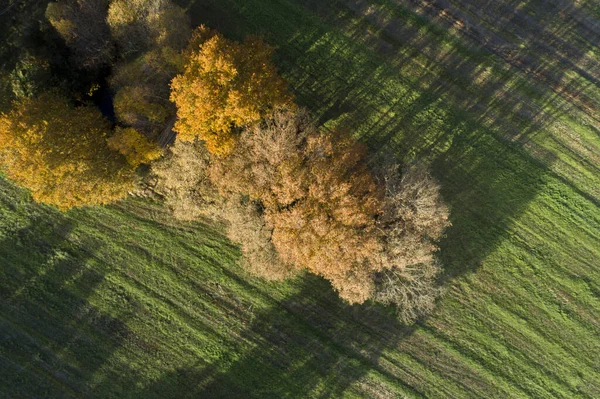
(293, 195)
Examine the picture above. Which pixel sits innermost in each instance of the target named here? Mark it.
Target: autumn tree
(182, 180)
(140, 25)
(60, 153)
(247, 227)
(150, 36)
(294, 197)
(318, 196)
(82, 24)
(413, 219)
(134, 146)
(225, 85)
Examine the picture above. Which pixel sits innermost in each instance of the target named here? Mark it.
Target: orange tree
(318, 197)
(225, 85)
(61, 153)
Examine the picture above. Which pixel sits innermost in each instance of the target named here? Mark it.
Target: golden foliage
(225, 85)
(136, 148)
(60, 153)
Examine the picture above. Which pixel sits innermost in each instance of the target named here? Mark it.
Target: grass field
(502, 97)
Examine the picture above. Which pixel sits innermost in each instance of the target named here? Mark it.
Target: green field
(502, 98)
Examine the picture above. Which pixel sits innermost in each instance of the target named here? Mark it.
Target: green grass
(123, 301)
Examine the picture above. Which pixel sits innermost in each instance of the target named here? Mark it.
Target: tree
(140, 25)
(82, 24)
(136, 106)
(134, 146)
(182, 180)
(298, 197)
(151, 36)
(247, 227)
(29, 76)
(317, 195)
(60, 153)
(413, 218)
(225, 85)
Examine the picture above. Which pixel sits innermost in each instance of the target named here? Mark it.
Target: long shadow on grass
(357, 69)
(52, 339)
(310, 345)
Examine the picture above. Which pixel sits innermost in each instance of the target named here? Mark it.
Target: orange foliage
(60, 153)
(225, 85)
(318, 195)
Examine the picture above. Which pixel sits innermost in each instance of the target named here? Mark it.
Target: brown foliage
(312, 203)
(60, 153)
(182, 180)
(225, 84)
(318, 195)
(247, 227)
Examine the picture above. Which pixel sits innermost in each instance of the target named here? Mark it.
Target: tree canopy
(60, 153)
(82, 24)
(317, 194)
(225, 85)
(370, 233)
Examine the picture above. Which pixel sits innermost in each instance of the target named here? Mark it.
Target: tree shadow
(310, 345)
(52, 339)
(439, 83)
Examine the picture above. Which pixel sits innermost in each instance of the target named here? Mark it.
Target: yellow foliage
(60, 153)
(136, 148)
(225, 85)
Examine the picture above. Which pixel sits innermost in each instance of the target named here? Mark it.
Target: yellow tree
(60, 153)
(134, 146)
(225, 85)
(150, 36)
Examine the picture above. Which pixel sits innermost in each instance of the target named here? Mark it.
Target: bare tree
(413, 219)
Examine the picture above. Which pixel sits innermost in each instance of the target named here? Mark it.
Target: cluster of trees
(59, 145)
(293, 195)
(296, 197)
